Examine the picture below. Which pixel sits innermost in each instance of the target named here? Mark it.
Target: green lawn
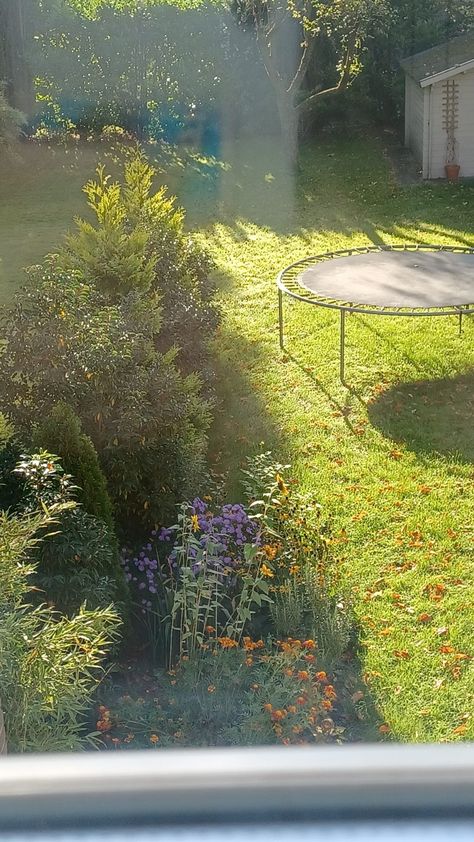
(391, 459)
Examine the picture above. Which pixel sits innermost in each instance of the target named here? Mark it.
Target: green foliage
(11, 489)
(249, 695)
(82, 550)
(11, 122)
(139, 245)
(45, 483)
(204, 594)
(114, 255)
(305, 585)
(147, 422)
(61, 432)
(49, 665)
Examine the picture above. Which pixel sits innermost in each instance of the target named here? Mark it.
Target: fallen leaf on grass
(461, 729)
(384, 729)
(396, 454)
(424, 618)
(401, 653)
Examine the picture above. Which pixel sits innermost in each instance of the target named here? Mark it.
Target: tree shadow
(431, 416)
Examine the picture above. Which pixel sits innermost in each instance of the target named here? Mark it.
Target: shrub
(63, 341)
(79, 561)
(61, 433)
(49, 665)
(11, 488)
(139, 244)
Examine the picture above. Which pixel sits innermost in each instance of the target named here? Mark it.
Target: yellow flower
(266, 571)
(281, 485)
(194, 523)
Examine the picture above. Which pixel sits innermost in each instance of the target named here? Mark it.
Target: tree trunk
(3, 736)
(289, 123)
(14, 69)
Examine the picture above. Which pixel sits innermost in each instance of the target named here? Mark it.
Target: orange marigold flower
(309, 644)
(250, 644)
(210, 629)
(268, 707)
(278, 715)
(249, 661)
(321, 676)
(310, 658)
(301, 700)
(330, 692)
(326, 704)
(303, 675)
(288, 671)
(227, 642)
(285, 647)
(154, 739)
(291, 708)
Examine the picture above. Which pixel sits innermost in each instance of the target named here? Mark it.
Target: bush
(61, 433)
(11, 488)
(139, 244)
(49, 665)
(79, 561)
(64, 341)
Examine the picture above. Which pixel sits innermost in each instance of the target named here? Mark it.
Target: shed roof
(449, 58)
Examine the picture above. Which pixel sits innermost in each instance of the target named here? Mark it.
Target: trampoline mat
(395, 279)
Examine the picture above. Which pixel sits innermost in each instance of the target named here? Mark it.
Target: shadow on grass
(431, 416)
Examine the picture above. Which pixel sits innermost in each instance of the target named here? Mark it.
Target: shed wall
(414, 117)
(464, 132)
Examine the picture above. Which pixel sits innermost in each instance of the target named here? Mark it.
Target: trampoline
(394, 280)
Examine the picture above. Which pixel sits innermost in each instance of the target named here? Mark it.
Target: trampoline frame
(287, 283)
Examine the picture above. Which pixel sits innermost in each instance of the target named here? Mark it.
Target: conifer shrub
(60, 433)
(139, 244)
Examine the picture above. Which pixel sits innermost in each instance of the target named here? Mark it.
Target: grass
(391, 458)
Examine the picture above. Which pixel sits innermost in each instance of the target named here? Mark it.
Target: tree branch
(344, 78)
(306, 57)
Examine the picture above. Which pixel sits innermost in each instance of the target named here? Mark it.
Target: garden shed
(439, 108)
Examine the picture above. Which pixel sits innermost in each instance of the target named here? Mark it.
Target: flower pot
(452, 171)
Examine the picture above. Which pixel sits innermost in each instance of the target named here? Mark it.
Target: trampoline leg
(280, 316)
(342, 346)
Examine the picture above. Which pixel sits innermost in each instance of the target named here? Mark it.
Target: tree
(14, 69)
(312, 26)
